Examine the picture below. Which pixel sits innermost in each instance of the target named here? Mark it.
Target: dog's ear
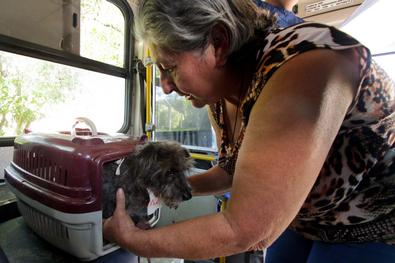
(186, 152)
(189, 162)
(146, 151)
(127, 165)
(146, 164)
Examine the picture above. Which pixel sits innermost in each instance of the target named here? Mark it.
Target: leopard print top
(357, 181)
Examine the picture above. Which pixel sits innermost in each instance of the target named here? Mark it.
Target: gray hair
(183, 25)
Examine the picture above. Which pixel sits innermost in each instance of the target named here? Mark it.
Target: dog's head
(161, 167)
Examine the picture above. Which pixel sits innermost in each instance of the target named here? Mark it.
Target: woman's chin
(197, 103)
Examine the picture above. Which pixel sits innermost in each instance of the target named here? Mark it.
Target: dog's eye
(170, 172)
(170, 175)
(170, 178)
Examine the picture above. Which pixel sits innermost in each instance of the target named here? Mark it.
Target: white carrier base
(77, 234)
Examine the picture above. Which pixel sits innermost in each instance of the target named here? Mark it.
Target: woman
(305, 122)
(282, 9)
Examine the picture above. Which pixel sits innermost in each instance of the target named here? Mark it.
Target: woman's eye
(168, 70)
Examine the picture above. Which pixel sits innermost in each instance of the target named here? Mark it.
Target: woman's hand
(119, 227)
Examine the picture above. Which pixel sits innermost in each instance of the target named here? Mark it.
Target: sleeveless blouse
(356, 184)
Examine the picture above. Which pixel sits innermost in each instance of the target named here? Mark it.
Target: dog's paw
(143, 225)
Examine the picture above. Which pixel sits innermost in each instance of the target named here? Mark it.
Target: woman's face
(193, 74)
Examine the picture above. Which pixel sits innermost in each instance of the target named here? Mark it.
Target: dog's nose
(187, 196)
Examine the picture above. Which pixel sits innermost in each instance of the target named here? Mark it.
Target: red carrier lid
(63, 171)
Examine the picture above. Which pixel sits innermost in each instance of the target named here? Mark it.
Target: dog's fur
(159, 166)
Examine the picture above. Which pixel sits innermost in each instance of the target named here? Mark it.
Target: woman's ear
(220, 40)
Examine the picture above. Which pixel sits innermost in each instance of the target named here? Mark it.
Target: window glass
(102, 32)
(374, 33)
(371, 23)
(176, 119)
(45, 96)
(387, 62)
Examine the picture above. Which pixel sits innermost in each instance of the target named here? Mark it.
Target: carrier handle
(85, 120)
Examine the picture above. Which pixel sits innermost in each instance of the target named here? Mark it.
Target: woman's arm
(292, 127)
(290, 132)
(214, 181)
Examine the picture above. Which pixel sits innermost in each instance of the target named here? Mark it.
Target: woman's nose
(168, 86)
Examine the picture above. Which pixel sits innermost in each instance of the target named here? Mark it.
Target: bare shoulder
(310, 83)
(318, 69)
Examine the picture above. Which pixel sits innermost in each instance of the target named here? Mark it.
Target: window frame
(33, 50)
(389, 53)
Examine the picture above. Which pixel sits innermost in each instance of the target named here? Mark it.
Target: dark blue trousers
(291, 247)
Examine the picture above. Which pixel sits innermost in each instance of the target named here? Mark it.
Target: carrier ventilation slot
(42, 167)
(42, 223)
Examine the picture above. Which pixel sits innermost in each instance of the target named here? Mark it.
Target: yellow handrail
(203, 157)
(148, 92)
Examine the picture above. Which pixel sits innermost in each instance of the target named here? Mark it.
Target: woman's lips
(187, 96)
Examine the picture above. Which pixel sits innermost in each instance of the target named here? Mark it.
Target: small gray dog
(159, 166)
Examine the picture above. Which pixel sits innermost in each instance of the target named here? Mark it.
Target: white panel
(197, 206)
(308, 8)
(330, 12)
(333, 18)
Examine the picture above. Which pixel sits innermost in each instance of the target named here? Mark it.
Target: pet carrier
(57, 179)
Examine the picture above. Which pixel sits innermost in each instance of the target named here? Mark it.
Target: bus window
(102, 32)
(64, 59)
(373, 33)
(176, 119)
(42, 95)
(387, 62)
